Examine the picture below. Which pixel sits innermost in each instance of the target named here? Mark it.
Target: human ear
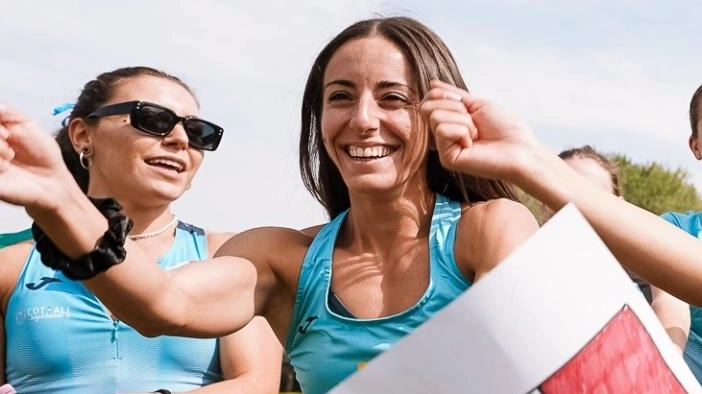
(695, 147)
(80, 135)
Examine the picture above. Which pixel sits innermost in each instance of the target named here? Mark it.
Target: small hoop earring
(84, 161)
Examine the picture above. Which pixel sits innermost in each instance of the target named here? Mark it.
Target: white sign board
(559, 315)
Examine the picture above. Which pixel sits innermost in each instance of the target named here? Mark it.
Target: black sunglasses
(157, 120)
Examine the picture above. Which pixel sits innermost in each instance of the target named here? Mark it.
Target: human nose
(177, 137)
(365, 118)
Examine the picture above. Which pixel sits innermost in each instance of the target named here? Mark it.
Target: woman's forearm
(167, 304)
(662, 254)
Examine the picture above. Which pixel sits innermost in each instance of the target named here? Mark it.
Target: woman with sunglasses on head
(133, 135)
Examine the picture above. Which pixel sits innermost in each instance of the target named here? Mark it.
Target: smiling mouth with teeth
(169, 164)
(375, 152)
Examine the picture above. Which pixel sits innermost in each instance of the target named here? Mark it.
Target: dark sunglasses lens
(154, 120)
(202, 135)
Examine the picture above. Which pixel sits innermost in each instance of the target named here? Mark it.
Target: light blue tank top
(691, 222)
(61, 340)
(325, 347)
(8, 239)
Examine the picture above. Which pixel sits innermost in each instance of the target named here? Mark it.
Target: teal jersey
(691, 222)
(8, 239)
(60, 339)
(326, 346)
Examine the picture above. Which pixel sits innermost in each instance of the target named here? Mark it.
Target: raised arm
(492, 143)
(211, 298)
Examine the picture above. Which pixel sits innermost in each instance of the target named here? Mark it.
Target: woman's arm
(12, 260)
(673, 314)
(490, 231)
(494, 144)
(250, 359)
(32, 174)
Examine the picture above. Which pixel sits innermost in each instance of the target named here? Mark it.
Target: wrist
(530, 163)
(108, 250)
(75, 224)
(544, 175)
(62, 199)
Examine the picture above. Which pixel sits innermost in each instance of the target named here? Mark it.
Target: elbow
(194, 310)
(241, 304)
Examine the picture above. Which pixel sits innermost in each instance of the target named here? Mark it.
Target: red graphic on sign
(621, 358)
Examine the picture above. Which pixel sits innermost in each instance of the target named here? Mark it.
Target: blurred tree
(540, 211)
(650, 186)
(656, 188)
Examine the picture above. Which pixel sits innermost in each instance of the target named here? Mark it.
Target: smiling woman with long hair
(406, 235)
(414, 173)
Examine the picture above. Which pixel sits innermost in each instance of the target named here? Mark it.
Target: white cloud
(602, 72)
(598, 91)
(247, 62)
(609, 93)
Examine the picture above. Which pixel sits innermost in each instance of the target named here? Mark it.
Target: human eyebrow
(409, 92)
(342, 82)
(397, 85)
(392, 84)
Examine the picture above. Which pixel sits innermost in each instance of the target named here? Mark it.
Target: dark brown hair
(695, 110)
(93, 96)
(588, 152)
(430, 59)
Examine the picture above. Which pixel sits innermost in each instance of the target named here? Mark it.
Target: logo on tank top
(37, 313)
(44, 281)
(302, 329)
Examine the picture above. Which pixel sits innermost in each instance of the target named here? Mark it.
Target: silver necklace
(152, 234)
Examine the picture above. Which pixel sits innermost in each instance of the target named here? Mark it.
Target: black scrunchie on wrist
(109, 249)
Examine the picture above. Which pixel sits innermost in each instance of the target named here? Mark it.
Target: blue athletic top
(326, 346)
(61, 340)
(8, 239)
(691, 222)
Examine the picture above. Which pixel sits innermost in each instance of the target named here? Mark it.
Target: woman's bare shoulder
(268, 243)
(12, 259)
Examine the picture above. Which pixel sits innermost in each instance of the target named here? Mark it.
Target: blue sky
(615, 74)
